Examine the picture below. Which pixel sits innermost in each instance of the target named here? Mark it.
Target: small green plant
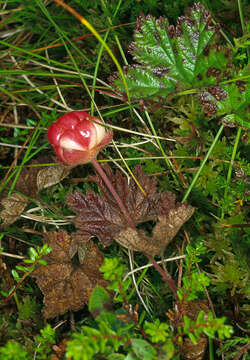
(124, 331)
(193, 280)
(13, 350)
(44, 342)
(36, 257)
(41, 347)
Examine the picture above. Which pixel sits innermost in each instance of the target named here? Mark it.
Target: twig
(243, 350)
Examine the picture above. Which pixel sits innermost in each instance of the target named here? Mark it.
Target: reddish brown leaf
(95, 217)
(66, 285)
(101, 216)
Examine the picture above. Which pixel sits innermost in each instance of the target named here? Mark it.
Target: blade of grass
(243, 24)
(229, 173)
(28, 52)
(28, 155)
(81, 37)
(99, 58)
(202, 164)
(168, 162)
(100, 39)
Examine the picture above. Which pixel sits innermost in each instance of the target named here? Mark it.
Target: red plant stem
(165, 275)
(242, 351)
(113, 192)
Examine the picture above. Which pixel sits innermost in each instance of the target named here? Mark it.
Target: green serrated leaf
(231, 99)
(185, 60)
(171, 58)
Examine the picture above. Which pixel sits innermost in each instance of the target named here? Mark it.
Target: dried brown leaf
(29, 183)
(13, 207)
(102, 217)
(50, 175)
(33, 179)
(189, 350)
(163, 232)
(66, 285)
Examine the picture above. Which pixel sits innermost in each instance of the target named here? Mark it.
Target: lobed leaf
(66, 285)
(102, 217)
(172, 59)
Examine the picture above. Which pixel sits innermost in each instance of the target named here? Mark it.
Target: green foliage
(29, 309)
(93, 341)
(116, 334)
(229, 275)
(36, 257)
(185, 58)
(142, 349)
(13, 351)
(208, 325)
(114, 271)
(229, 263)
(44, 342)
(99, 299)
(179, 70)
(41, 347)
(193, 280)
(232, 347)
(193, 284)
(157, 331)
(168, 59)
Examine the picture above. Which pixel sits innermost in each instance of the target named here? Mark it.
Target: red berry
(76, 138)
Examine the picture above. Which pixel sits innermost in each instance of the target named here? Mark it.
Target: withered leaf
(13, 207)
(163, 232)
(65, 284)
(102, 217)
(191, 351)
(50, 175)
(33, 179)
(191, 309)
(29, 183)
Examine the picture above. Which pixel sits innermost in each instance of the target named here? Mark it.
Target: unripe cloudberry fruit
(76, 138)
